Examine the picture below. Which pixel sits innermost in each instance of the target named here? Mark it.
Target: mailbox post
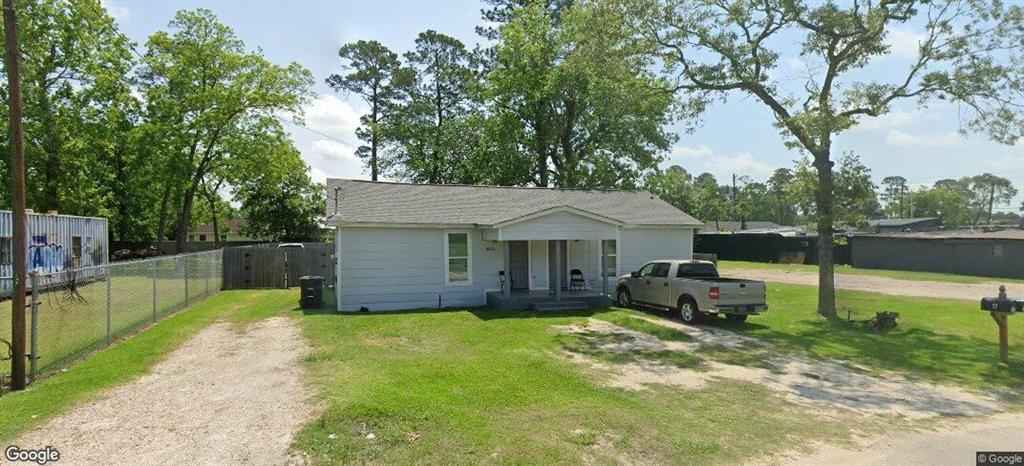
(1000, 309)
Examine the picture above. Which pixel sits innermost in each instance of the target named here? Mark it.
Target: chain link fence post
(34, 329)
(156, 263)
(209, 272)
(185, 258)
(110, 303)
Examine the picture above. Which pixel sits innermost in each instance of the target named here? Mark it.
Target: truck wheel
(624, 299)
(736, 317)
(688, 312)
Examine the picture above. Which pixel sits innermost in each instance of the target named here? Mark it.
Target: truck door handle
(648, 282)
(664, 284)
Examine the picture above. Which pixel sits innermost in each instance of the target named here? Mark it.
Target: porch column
(603, 273)
(558, 270)
(507, 289)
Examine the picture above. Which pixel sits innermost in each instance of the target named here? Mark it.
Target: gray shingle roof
(377, 202)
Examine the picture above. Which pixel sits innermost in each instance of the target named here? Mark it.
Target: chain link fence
(75, 312)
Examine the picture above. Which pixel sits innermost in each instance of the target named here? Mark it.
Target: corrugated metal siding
(50, 241)
(985, 258)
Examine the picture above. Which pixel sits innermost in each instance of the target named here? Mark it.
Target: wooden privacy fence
(272, 267)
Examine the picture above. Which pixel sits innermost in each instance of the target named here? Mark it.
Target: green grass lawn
(846, 269)
(495, 387)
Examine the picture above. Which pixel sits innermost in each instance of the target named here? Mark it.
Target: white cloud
(118, 12)
(332, 115)
(904, 43)
(332, 151)
(743, 163)
(898, 138)
(684, 152)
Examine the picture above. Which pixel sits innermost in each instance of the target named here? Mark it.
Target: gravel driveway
(224, 397)
(884, 285)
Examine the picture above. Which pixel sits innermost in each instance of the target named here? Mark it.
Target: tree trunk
(181, 232)
(211, 199)
(51, 146)
(162, 224)
(826, 243)
(991, 200)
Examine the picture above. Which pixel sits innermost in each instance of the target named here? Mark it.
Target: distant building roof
(360, 201)
(233, 225)
(1010, 234)
(899, 222)
(734, 225)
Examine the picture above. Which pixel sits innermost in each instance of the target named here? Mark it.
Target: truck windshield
(699, 270)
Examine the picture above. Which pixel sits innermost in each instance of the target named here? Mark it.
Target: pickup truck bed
(694, 289)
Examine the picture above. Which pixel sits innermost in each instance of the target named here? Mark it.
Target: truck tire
(738, 318)
(623, 298)
(688, 312)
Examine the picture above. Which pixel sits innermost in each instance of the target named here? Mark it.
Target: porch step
(567, 305)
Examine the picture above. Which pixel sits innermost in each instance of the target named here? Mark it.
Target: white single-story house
(408, 246)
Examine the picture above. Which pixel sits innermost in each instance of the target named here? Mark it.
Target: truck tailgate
(742, 293)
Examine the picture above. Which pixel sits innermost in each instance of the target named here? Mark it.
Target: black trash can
(312, 288)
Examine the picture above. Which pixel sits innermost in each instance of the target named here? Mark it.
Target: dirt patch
(224, 397)
(884, 285)
(825, 384)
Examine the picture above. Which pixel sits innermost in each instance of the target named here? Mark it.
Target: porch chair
(576, 280)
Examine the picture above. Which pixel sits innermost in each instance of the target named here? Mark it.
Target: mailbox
(1000, 305)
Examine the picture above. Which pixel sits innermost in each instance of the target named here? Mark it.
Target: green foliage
(438, 128)
(854, 194)
(374, 74)
(202, 89)
(573, 102)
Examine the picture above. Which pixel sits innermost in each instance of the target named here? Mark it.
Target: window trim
(468, 257)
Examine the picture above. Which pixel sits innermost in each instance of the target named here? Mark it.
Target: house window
(458, 266)
(76, 251)
(5, 251)
(202, 237)
(223, 237)
(611, 253)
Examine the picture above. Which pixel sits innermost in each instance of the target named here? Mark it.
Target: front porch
(546, 299)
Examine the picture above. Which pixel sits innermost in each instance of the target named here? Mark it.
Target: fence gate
(267, 266)
(246, 267)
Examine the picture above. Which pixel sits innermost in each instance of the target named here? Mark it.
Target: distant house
(981, 253)
(895, 225)
(407, 246)
(230, 230)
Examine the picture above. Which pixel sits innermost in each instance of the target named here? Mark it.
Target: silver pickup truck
(694, 289)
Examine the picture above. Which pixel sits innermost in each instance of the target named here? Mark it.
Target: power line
(319, 133)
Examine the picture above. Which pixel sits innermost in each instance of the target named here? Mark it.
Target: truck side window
(645, 271)
(660, 270)
(697, 271)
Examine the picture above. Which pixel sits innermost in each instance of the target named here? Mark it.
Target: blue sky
(922, 145)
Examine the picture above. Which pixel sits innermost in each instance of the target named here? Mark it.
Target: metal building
(980, 253)
(55, 243)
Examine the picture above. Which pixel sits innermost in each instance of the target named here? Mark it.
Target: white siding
(403, 268)
(558, 225)
(638, 246)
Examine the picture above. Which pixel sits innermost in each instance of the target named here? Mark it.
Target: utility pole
(18, 194)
